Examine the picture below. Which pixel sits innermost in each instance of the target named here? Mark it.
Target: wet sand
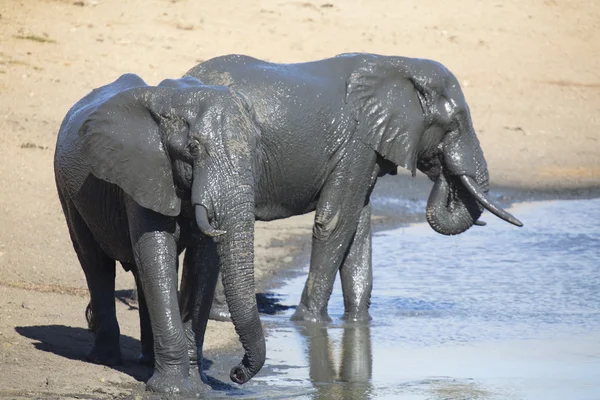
(528, 70)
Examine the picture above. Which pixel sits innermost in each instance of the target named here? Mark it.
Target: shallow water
(495, 313)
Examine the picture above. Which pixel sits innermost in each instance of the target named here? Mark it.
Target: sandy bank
(528, 68)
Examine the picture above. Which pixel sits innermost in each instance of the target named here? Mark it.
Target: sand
(529, 70)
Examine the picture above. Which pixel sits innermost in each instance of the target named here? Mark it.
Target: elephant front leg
(331, 239)
(357, 272)
(200, 272)
(335, 224)
(342, 205)
(147, 354)
(156, 256)
(155, 253)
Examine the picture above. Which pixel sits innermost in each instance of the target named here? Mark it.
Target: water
(495, 313)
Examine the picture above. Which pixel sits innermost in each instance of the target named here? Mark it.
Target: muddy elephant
(141, 173)
(329, 129)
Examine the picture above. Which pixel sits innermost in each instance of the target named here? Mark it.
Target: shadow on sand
(74, 343)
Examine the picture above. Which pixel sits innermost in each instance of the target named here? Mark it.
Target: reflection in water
(494, 313)
(352, 379)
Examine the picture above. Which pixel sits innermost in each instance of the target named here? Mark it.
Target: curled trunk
(451, 210)
(456, 202)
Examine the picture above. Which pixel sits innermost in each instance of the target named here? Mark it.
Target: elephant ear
(388, 109)
(122, 142)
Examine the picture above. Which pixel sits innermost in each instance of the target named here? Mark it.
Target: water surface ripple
(496, 312)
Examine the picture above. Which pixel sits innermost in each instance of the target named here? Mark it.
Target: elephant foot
(357, 316)
(303, 314)
(219, 312)
(105, 355)
(173, 383)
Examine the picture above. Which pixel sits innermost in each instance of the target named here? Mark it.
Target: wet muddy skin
(495, 313)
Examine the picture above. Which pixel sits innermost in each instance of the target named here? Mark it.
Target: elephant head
(182, 140)
(414, 114)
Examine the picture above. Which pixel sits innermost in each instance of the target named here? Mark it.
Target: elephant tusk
(476, 191)
(202, 221)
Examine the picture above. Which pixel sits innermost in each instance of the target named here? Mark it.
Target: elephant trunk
(233, 208)
(450, 210)
(236, 252)
(459, 194)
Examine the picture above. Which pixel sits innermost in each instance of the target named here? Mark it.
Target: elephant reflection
(355, 370)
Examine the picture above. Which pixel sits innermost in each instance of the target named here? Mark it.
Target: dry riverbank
(528, 68)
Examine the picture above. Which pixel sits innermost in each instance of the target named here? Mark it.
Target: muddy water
(495, 313)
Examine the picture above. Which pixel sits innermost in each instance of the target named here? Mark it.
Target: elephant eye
(194, 143)
(193, 146)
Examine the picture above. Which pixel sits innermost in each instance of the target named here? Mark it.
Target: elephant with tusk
(329, 129)
(144, 172)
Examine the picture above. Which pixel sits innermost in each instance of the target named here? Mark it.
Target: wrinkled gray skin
(140, 172)
(329, 129)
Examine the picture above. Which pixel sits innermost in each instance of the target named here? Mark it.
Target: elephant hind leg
(99, 272)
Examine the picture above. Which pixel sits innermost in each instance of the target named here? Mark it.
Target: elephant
(144, 172)
(329, 129)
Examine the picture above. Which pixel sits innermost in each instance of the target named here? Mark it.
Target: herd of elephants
(145, 172)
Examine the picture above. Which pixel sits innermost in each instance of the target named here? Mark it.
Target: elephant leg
(357, 273)
(336, 220)
(196, 373)
(100, 275)
(219, 310)
(200, 273)
(147, 354)
(155, 251)
(332, 235)
(343, 199)
(319, 284)
(99, 272)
